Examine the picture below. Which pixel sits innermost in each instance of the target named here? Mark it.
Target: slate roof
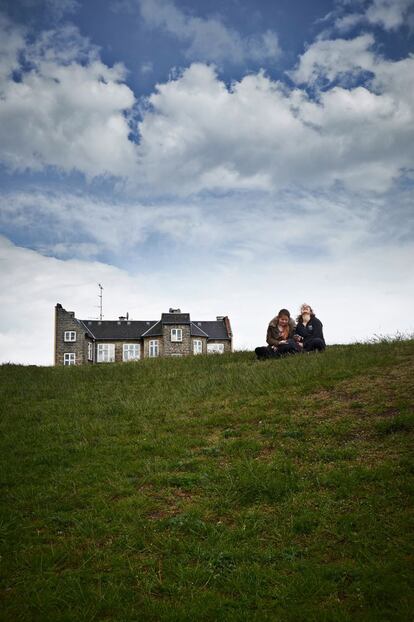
(117, 329)
(175, 318)
(215, 329)
(85, 328)
(153, 331)
(196, 330)
(136, 329)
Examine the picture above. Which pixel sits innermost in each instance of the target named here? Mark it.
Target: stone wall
(64, 321)
(174, 348)
(227, 344)
(119, 348)
(160, 345)
(203, 344)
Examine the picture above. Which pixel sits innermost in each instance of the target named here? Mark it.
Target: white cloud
(388, 14)
(327, 59)
(11, 42)
(240, 225)
(197, 133)
(67, 111)
(209, 39)
(200, 134)
(82, 225)
(356, 296)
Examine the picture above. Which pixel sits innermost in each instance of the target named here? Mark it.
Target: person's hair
(304, 304)
(283, 312)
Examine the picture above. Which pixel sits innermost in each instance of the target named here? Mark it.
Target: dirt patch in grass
(380, 397)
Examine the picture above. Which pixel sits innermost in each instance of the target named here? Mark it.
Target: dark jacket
(273, 337)
(312, 329)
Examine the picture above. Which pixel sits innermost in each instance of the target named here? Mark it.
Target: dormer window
(176, 334)
(70, 335)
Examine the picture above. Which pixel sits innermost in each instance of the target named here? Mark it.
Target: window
(176, 334)
(131, 352)
(106, 352)
(90, 351)
(215, 348)
(153, 348)
(197, 346)
(69, 358)
(70, 335)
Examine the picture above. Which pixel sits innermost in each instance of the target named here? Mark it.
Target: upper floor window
(106, 352)
(70, 335)
(215, 348)
(69, 358)
(176, 334)
(153, 348)
(197, 346)
(131, 352)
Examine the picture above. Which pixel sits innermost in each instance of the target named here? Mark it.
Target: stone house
(79, 342)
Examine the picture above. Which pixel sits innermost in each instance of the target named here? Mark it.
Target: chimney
(228, 327)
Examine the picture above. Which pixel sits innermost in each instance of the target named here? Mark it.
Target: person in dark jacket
(309, 330)
(279, 337)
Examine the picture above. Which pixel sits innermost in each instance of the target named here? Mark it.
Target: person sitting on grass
(309, 331)
(279, 337)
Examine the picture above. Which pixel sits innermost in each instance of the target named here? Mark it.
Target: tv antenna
(100, 301)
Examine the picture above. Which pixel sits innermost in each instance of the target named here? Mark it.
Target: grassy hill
(209, 488)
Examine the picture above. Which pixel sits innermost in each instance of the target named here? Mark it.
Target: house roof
(175, 318)
(85, 328)
(196, 330)
(136, 329)
(215, 329)
(153, 331)
(117, 329)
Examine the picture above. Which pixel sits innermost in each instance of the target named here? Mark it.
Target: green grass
(210, 488)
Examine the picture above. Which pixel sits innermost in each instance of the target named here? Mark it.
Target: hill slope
(209, 488)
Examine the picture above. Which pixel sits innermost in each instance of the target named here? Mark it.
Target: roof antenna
(100, 301)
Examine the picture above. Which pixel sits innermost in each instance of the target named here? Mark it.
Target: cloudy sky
(224, 157)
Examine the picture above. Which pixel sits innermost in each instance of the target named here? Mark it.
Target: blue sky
(222, 157)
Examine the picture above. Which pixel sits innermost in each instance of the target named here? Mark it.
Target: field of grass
(210, 488)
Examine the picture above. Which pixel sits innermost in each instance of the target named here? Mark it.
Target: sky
(224, 158)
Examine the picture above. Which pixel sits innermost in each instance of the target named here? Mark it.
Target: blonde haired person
(309, 330)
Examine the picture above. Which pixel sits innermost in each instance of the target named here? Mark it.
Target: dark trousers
(312, 344)
(266, 352)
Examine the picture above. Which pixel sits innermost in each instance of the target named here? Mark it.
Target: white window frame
(69, 358)
(105, 353)
(90, 351)
(131, 351)
(69, 335)
(153, 348)
(176, 334)
(197, 346)
(215, 348)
